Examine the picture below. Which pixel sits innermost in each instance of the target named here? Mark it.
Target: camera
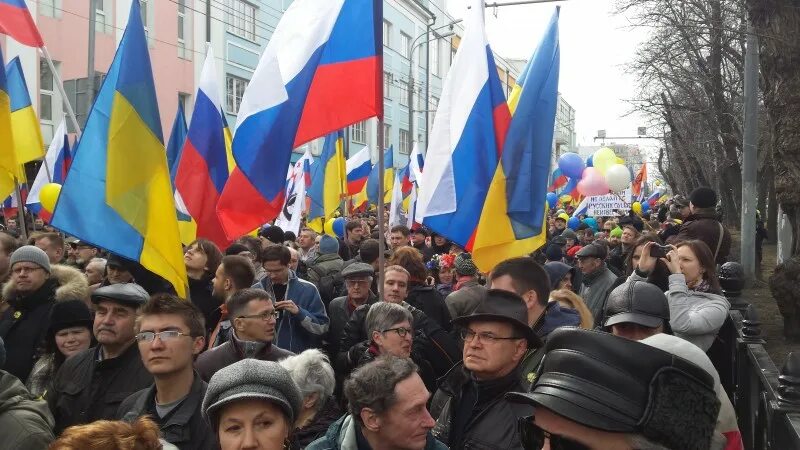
(659, 251)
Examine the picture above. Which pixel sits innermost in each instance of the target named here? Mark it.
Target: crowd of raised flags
(482, 183)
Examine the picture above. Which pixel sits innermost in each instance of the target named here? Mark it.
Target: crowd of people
(597, 340)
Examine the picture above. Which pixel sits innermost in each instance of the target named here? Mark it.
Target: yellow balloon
(566, 199)
(603, 159)
(637, 208)
(48, 196)
(329, 227)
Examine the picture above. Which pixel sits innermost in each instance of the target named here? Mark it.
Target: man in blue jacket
(303, 321)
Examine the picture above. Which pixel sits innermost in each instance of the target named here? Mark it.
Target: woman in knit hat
(70, 332)
(252, 404)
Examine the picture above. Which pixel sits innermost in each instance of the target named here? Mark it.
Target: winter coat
(695, 316)
(556, 316)
(430, 301)
(304, 330)
(427, 252)
(339, 316)
(200, 294)
(184, 426)
(616, 258)
(24, 325)
(85, 389)
(331, 412)
(463, 301)
(210, 361)
(704, 226)
(323, 265)
(595, 289)
(342, 436)
(491, 421)
(26, 423)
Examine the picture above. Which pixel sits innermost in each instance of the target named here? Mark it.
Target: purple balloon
(571, 165)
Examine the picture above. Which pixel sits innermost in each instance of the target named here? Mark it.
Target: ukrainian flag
(388, 179)
(8, 164)
(513, 219)
(118, 193)
(328, 178)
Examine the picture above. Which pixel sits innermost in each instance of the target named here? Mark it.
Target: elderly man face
(358, 287)
(94, 272)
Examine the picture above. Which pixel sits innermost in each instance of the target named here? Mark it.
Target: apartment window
(78, 91)
(183, 31)
(434, 103)
(234, 90)
(387, 85)
(405, 142)
(183, 100)
(387, 34)
(145, 8)
(405, 45)
(46, 99)
(47, 8)
(387, 135)
(240, 18)
(358, 132)
(403, 87)
(101, 16)
(435, 57)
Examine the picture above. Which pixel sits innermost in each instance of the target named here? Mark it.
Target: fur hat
(703, 197)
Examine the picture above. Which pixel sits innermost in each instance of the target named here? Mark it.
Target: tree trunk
(772, 211)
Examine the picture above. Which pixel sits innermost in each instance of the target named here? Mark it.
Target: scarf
(463, 279)
(702, 286)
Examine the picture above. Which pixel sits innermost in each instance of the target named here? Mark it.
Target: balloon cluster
(603, 172)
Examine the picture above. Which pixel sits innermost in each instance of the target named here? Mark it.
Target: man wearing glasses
(170, 335)
(469, 406)
(91, 385)
(253, 319)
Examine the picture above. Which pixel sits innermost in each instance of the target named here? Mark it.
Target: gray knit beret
(31, 254)
(252, 379)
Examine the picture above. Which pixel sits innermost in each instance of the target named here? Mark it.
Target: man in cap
(597, 278)
(561, 223)
(118, 270)
(469, 407)
(418, 237)
(271, 235)
(34, 287)
(468, 292)
(598, 391)
(357, 279)
(91, 385)
(636, 310)
(703, 224)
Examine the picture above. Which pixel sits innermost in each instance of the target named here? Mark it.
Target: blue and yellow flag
(118, 193)
(388, 179)
(8, 163)
(328, 178)
(513, 218)
(28, 144)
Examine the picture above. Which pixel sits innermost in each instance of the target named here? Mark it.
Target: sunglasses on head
(533, 437)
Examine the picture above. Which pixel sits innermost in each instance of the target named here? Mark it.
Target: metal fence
(767, 400)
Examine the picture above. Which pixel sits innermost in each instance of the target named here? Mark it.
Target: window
(47, 8)
(434, 57)
(387, 34)
(387, 135)
(405, 45)
(234, 90)
(240, 19)
(46, 99)
(403, 87)
(387, 85)
(434, 103)
(145, 8)
(183, 31)
(359, 132)
(77, 93)
(183, 100)
(405, 142)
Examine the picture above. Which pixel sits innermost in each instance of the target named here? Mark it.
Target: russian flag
(558, 180)
(466, 139)
(358, 168)
(203, 166)
(582, 208)
(16, 21)
(416, 162)
(321, 71)
(652, 199)
(53, 170)
(11, 203)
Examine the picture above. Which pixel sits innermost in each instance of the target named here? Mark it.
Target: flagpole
(20, 211)
(381, 193)
(60, 85)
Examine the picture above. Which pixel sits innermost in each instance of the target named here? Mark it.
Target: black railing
(767, 401)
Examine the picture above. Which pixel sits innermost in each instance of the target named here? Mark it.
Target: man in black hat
(597, 277)
(418, 237)
(598, 391)
(91, 385)
(271, 235)
(118, 270)
(704, 225)
(469, 407)
(636, 310)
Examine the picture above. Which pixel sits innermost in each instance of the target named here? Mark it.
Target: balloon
(592, 223)
(329, 227)
(338, 226)
(618, 177)
(645, 207)
(592, 183)
(590, 161)
(603, 159)
(552, 199)
(573, 223)
(637, 208)
(48, 196)
(566, 199)
(571, 164)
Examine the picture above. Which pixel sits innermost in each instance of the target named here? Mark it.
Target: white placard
(609, 204)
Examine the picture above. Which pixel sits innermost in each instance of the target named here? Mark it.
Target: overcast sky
(596, 45)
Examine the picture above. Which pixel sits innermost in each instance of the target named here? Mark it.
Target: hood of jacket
(15, 397)
(72, 285)
(556, 316)
(557, 270)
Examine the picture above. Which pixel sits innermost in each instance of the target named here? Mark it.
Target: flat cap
(128, 294)
(637, 302)
(358, 269)
(594, 250)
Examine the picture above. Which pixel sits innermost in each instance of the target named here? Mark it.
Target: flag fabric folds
(396, 205)
(466, 138)
(415, 163)
(25, 128)
(53, 170)
(16, 21)
(203, 165)
(328, 178)
(513, 217)
(118, 193)
(8, 163)
(358, 168)
(310, 81)
(373, 182)
(557, 180)
(639, 181)
(297, 181)
(176, 139)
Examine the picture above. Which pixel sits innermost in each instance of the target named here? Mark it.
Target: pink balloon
(592, 183)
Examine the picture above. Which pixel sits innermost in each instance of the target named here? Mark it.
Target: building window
(403, 87)
(184, 30)
(145, 7)
(434, 46)
(183, 100)
(47, 8)
(234, 90)
(77, 93)
(405, 45)
(405, 142)
(434, 103)
(358, 132)
(387, 34)
(240, 19)
(387, 85)
(101, 24)
(387, 135)
(46, 99)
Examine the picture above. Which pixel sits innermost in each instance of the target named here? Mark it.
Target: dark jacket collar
(702, 215)
(459, 376)
(39, 297)
(588, 278)
(250, 349)
(130, 353)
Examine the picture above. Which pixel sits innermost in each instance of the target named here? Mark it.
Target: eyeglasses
(168, 335)
(401, 331)
(532, 437)
(265, 316)
(21, 269)
(353, 282)
(468, 335)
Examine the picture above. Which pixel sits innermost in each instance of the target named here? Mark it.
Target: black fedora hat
(498, 305)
